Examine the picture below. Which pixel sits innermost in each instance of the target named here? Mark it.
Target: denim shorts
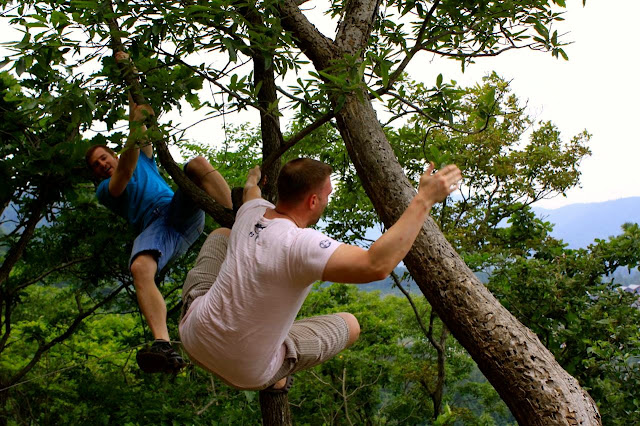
(174, 228)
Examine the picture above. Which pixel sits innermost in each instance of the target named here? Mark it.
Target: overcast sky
(598, 89)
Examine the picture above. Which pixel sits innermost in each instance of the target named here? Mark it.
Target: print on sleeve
(325, 244)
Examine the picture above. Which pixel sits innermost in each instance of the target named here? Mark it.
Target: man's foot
(160, 357)
(281, 386)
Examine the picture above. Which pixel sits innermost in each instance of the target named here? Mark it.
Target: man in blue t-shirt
(167, 223)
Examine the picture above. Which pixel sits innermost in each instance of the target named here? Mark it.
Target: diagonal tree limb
(49, 272)
(222, 215)
(296, 138)
(36, 212)
(395, 75)
(356, 26)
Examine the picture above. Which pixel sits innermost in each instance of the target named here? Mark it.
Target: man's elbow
(379, 272)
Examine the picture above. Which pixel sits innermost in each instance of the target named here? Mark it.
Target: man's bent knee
(222, 231)
(144, 266)
(197, 168)
(354, 326)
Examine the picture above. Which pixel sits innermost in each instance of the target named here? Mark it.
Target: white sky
(596, 89)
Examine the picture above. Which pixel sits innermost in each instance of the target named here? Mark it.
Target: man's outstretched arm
(351, 264)
(129, 157)
(251, 189)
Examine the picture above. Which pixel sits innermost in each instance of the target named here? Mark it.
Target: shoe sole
(150, 362)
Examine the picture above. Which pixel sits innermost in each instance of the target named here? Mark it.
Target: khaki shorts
(310, 341)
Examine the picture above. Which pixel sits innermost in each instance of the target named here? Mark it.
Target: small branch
(295, 139)
(49, 272)
(442, 123)
(344, 395)
(415, 49)
(398, 283)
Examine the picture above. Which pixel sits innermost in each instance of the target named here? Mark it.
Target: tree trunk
(275, 409)
(525, 374)
(269, 123)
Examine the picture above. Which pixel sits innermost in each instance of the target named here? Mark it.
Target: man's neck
(281, 213)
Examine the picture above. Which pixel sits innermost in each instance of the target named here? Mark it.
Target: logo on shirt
(325, 244)
(256, 230)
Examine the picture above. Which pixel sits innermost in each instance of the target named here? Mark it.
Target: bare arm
(129, 157)
(145, 145)
(251, 189)
(351, 264)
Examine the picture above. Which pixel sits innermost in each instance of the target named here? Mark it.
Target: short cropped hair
(89, 153)
(299, 177)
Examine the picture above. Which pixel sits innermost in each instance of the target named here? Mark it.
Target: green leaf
(83, 4)
(20, 66)
(233, 57)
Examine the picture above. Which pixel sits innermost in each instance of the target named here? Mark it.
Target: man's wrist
(423, 202)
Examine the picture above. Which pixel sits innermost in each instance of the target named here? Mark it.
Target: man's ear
(313, 199)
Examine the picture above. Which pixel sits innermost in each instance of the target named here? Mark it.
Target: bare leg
(354, 327)
(150, 299)
(202, 173)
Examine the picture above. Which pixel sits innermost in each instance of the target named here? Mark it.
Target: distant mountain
(387, 286)
(579, 224)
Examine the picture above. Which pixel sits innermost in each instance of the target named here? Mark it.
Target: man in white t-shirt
(242, 296)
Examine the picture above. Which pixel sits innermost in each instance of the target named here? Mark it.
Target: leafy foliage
(68, 318)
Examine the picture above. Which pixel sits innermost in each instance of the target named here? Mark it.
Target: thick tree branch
(355, 29)
(35, 213)
(312, 42)
(7, 300)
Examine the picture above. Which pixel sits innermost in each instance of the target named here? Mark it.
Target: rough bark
(525, 374)
(269, 123)
(275, 409)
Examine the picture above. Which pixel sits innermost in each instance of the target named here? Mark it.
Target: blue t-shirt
(145, 192)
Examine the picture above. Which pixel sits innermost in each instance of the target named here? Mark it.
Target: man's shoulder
(252, 205)
(102, 191)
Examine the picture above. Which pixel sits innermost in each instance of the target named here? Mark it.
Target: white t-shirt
(237, 329)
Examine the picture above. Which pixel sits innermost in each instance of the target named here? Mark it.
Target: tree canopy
(64, 91)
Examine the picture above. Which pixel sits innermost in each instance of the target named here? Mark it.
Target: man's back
(246, 315)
